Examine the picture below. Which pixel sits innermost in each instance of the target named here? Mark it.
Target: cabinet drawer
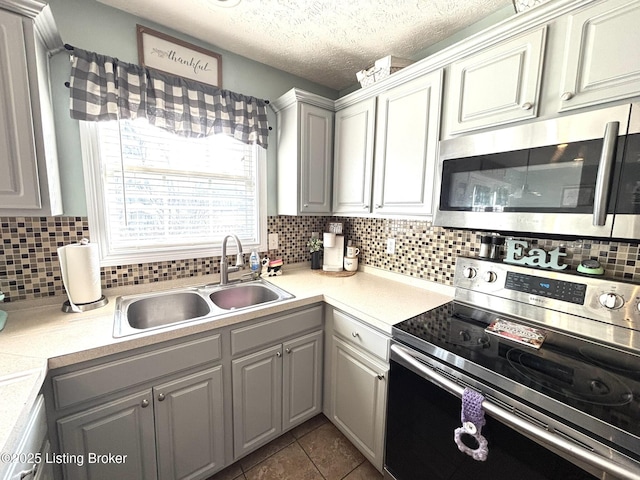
(356, 333)
(275, 330)
(76, 387)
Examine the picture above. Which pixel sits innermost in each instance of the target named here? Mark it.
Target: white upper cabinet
(353, 157)
(601, 61)
(29, 185)
(305, 153)
(498, 85)
(406, 146)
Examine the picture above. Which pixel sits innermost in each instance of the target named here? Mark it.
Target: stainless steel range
(568, 409)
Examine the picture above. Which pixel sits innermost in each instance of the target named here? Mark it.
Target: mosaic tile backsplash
(29, 265)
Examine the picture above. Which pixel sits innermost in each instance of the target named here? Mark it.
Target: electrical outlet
(391, 246)
(273, 241)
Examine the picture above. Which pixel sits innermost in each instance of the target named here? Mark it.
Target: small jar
(496, 247)
(485, 246)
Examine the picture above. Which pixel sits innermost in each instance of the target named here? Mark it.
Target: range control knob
(469, 272)
(611, 301)
(490, 276)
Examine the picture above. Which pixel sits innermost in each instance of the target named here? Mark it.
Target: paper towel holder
(84, 307)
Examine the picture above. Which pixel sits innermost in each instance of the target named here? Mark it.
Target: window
(155, 196)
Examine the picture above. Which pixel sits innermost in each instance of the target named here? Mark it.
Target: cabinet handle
(526, 106)
(144, 403)
(355, 334)
(365, 207)
(566, 96)
(278, 354)
(161, 397)
(380, 376)
(288, 350)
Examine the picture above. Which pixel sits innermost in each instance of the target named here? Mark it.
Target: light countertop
(38, 336)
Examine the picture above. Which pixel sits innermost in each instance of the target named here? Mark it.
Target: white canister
(351, 264)
(329, 240)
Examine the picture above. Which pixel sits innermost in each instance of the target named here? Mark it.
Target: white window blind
(171, 196)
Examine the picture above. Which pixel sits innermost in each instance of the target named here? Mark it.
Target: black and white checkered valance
(104, 88)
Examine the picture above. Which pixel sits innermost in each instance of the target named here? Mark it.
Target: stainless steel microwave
(576, 175)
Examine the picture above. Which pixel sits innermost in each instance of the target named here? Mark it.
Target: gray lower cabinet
(359, 393)
(189, 418)
(356, 370)
(174, 430)
(276, 389)
(123, 427)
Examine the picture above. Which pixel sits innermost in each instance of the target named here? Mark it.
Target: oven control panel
(596, 298)
(562, 290)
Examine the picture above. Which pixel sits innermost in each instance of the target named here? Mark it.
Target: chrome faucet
(224, 268)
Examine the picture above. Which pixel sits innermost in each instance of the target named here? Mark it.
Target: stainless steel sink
(154, 310)
(143, 312)
(242, 296)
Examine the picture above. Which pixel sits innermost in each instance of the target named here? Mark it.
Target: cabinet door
(257, 399)
(302, 379)
(19, 187)
(359, 395)
(353, 158)
(316, 153)
(498, 85)
(407, 133)
(190, 425)
(121, 427)
(601, 62)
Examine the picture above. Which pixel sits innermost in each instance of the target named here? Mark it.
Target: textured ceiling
(325, 41)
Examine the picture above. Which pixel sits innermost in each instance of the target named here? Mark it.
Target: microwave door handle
(603, 183)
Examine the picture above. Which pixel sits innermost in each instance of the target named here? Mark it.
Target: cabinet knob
(278, 354)
(161, 397)
(526, 106)
(378, 206)
(305, 205)
(144, 403)
(566, 96)
(365, 207)
(288, 350)
(355, 334)
(380, 376)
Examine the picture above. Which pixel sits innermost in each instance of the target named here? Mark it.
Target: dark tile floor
(316, 450)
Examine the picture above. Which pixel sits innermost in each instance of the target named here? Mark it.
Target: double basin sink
(144, 312)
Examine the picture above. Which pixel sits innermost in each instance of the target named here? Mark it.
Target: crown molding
(47, 29)
(507, 29)
(27, 8)
(297, 95)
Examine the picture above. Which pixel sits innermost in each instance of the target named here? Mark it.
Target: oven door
(424, 410)
(555, 176)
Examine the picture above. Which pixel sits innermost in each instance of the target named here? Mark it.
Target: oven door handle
(409, 361)
(603, 177)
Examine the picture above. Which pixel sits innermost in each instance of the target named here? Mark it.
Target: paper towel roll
(80, 267)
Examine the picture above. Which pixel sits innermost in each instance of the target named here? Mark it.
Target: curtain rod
(71, 48)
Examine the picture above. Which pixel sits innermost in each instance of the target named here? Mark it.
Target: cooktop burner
(570, 377)
(594, 379)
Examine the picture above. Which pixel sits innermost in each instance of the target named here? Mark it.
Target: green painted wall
(93, 26)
